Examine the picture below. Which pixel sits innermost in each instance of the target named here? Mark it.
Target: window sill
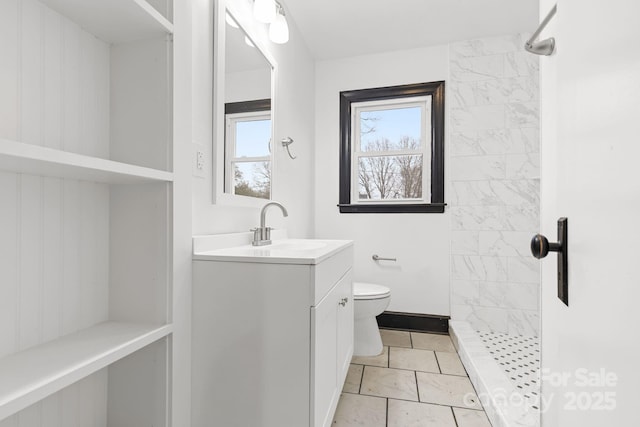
(391, 208)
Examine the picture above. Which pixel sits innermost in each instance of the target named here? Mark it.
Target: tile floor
(417, 381)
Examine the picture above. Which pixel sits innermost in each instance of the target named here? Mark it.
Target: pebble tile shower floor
(417, 381)
(519, 357)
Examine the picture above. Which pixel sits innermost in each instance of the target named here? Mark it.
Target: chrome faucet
(262, 234)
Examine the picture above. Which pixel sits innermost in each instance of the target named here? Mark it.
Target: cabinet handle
(344, 301)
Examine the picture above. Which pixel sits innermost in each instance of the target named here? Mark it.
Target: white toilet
(369, 301)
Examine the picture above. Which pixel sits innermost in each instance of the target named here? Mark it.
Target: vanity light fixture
(264, 11)
(279, 29)
(271, 12)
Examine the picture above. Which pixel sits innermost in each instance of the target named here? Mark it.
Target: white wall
(248, 85)
(419, 280)
(293, 110)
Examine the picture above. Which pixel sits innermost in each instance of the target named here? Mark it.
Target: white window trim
(230, 145)
(425, 145)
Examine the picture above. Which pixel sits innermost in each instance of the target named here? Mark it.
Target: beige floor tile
(432, 342)
(447, 390)
(358, 410)
(450, 363)
(414, 359)
(393, 383)
(381, 360)
(471, 418)
(395, 338)
(414, 414)
(352, 382)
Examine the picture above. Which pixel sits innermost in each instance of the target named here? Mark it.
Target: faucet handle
(256, 234)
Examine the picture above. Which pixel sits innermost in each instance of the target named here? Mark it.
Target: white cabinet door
(344, 333)
(324, 322)
(332, 348)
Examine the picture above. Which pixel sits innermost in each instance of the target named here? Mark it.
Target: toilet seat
(368, 291)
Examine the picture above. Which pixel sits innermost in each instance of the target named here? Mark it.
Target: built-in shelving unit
(114, 21)
(36, 160)
(86, 232)
(31, 375)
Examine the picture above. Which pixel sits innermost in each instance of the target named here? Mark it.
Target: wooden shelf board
(114, 21)
(33, 374)
(35, 160)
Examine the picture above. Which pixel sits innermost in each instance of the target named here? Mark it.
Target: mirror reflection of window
(248, 154)
(248, 118)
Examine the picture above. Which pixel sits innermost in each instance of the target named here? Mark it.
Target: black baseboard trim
(414, 322)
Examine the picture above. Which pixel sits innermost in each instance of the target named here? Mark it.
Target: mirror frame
(241, 12)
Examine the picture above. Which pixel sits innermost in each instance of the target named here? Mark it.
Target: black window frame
(433, 89)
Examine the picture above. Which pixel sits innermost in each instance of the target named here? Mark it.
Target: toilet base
(367, 340)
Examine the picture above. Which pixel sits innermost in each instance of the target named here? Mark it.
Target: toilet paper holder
(378, 258)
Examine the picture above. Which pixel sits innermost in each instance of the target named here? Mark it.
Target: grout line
(413, 370)
(415, 375)
(411, 339)
(417, 401)
(361, 378)
(386, 423)
(455, 420)
(435, 354)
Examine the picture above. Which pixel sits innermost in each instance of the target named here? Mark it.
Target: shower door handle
(540, 247)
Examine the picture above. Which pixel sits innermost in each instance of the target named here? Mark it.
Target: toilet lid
(362, 290)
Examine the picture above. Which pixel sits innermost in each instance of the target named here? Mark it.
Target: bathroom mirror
(243, 116)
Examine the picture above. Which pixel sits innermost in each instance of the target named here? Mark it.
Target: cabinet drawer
(327, 273)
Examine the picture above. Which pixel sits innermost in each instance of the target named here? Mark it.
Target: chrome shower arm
(543, 47)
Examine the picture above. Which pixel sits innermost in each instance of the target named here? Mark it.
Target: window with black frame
(392, 149)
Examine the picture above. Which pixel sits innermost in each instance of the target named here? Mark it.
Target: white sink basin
(285, 251)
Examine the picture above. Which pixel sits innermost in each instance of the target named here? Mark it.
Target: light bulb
(279, 30)
(264, 10)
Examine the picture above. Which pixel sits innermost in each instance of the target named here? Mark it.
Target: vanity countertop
(281, 251)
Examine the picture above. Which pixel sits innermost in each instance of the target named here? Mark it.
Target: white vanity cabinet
(272, 333)
(331, 349)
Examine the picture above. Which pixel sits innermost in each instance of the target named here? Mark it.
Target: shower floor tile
(519, 357)
(418, 382)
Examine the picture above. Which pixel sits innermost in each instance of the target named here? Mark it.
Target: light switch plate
(198, 161)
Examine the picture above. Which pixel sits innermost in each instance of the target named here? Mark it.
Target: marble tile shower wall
(495, 185)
